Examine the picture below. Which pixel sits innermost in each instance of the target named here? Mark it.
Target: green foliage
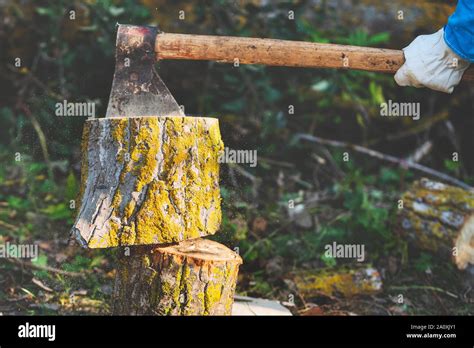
(58, 211)
(452, 166)
(424, 262)
(363, 38)
(81, 263)
(328, 261)
(18, 203)
(367, 217)
(364, 212)
(41, 260)
(237, 227)
(376, 93)
(389, 176)
(72, 187)
(260, 286)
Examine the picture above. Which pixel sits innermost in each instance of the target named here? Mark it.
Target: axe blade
(137, 90)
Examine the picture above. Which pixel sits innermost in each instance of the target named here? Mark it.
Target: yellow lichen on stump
(439, 218)
(148, 180)
(344, 281)
(194, 277)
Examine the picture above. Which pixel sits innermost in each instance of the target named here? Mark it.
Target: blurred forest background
(347, 202)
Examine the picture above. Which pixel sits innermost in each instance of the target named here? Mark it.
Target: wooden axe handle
(228, 49)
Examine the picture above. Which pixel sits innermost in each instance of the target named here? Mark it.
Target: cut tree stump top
(201, 249)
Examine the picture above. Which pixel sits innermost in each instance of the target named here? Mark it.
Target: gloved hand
(429, 62)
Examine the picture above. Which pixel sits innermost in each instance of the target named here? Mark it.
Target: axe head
(137, 90)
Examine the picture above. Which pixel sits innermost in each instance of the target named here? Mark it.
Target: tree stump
(194, 277)
(439, 218)
(342, 281)
(148, 180)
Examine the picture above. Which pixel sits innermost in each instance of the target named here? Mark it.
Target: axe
(151, 180)
(139, 159)
(137, 90)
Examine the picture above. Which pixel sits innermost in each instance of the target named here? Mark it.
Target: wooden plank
(248, 306)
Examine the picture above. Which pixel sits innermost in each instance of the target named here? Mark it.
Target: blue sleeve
(459, 32)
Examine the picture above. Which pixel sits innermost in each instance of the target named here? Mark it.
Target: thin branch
(244, 173)
(46, 268)
(275, 162)
(30, 77)
(424, 287)
(425, 125)
(420, 152)
(8, 226)
(255, 180)
(41, 136)
(388, 158)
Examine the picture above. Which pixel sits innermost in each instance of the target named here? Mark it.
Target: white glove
(429, 62)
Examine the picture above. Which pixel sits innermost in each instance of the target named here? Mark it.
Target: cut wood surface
(194, 277)
(148, 180)
(344, 281)
(280, 53)
(439, 218)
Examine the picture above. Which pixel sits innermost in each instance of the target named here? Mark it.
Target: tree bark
(148, 180)
(343, 281)
(194, 277)
(439, 218)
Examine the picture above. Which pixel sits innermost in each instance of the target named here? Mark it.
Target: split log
(343, 281)
(194, 277)
(439, 218)
(148, 180)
